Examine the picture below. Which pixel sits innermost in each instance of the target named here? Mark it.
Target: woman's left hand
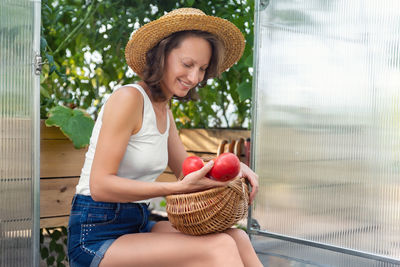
(252, 177)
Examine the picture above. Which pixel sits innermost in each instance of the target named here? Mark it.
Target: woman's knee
(222, 248)
(224, 241)
(238, 235)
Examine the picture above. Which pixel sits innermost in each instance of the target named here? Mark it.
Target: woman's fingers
(254, 188)
(208, 181)
(207, 167)
(252, 177)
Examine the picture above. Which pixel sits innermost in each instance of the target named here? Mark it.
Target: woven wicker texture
(147, 36)
(209, 211)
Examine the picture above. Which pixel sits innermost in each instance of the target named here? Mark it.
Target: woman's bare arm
(176, 150)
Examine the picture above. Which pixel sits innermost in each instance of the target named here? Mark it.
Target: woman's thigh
(172, 249)
(243, 243)
(163, 227)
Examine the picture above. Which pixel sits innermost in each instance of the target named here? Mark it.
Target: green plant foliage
(83, 46)
(163, 203)
(53, 243)
(74, 123)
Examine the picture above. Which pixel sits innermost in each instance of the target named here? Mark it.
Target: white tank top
(146, 155)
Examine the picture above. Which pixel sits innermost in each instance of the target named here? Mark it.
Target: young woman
(133, 141)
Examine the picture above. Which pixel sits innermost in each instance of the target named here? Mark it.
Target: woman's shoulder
(124, 103)
(129, 91)
(125, 96)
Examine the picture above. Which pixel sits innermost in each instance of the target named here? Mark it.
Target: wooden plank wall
(60, 167)
(61, 163)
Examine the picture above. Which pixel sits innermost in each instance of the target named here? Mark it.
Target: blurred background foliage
(83, 46)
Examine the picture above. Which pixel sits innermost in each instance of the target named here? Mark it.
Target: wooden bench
(61, 163)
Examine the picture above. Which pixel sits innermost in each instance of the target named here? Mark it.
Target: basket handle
(221, 147)
(240, 187)
(231, 147)
(238, 147)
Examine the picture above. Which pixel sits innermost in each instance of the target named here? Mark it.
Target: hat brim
(153, 32)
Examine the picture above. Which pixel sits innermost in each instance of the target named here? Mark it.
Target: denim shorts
(93, 226)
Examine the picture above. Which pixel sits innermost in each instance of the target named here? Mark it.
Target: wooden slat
(59, 158)
(54, 222)
(166, 177)
(56, 196)
(50, 132)
(207, 140)
(205, 156)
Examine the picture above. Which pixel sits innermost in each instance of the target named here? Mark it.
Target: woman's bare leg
(172, 249)
(246, 250)
(164, 227)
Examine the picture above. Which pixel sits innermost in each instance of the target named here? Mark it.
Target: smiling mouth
(187, 85)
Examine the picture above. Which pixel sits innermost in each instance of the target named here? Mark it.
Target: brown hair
(155, 61)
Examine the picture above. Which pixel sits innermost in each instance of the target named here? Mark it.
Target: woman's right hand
(197, 181)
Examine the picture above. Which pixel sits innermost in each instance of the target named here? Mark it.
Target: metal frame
(320, 245)
(254, 103)
(36, 5)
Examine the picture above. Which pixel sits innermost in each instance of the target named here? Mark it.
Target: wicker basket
(209, 211)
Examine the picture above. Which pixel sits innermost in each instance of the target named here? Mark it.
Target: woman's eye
(186, 65)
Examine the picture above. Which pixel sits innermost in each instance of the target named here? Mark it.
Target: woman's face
(186, 66)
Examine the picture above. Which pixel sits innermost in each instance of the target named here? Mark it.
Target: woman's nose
(195, 76)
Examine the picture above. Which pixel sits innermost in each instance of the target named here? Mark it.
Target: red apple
(192, 164)
(226, 167)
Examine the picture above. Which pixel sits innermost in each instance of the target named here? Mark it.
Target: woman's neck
(159, 104)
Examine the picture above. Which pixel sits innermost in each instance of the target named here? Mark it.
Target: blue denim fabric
(93, 226)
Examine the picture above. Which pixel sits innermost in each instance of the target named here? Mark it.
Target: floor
(276, 253)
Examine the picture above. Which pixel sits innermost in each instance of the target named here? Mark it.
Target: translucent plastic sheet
(327, 122)
(16, 133)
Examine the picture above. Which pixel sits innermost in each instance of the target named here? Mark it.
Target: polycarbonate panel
(326, 136)
(17, 134)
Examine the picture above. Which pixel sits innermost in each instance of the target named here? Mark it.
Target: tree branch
(70, 36)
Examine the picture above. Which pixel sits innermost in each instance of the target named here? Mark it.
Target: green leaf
(74, 123)
(249, 60)
(50, 58)
(190, 2)
(52, 69)
(244, 90)
(47, 8)
(50, 260)
(163, 203)
(42, 78)
(43, 43)
(59, 249)
(44, 252)
(55, 235)
(61, 256)
(52, 245)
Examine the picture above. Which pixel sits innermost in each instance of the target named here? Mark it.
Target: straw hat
(183, 19)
